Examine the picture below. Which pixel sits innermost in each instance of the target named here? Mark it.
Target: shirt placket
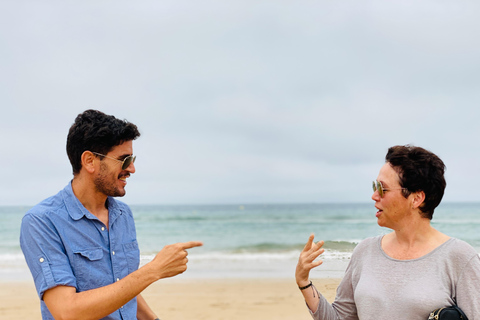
(116, 265)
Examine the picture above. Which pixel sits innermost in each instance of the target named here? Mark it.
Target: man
(80, 244)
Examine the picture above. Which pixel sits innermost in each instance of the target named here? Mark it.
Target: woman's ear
(418, 199)
(88, 161)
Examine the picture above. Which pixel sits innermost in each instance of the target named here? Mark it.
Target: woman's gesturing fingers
(309, 243)
(306, 261)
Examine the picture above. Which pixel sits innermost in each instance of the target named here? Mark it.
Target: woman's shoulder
(458, 249)
(458, 255)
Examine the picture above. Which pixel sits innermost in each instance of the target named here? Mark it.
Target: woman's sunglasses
(377, 186)
(126, 162)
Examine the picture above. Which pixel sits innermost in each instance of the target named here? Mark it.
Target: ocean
(251, 240)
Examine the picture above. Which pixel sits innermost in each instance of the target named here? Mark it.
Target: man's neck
(91, 199)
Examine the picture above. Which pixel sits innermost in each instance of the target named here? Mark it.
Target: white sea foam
(258, 265)
(257, 256)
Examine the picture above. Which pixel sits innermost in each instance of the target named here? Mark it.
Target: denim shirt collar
(77, 211)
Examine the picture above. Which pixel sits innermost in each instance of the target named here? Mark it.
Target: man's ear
(88, 161)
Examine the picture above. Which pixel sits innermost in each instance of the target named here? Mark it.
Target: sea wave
(229, 256)
(342, 246)
(270, 247)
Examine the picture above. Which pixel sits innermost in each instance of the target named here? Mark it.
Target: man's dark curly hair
(419, 170)
(97, 132)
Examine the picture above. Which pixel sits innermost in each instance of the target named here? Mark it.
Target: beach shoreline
(183, 298)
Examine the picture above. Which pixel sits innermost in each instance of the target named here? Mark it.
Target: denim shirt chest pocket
(90, 268)
(132, 255)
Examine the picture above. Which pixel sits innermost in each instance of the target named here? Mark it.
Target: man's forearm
(66, 303)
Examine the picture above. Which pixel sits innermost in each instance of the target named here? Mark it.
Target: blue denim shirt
(64, 244)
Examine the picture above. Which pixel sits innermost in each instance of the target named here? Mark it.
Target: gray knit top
(377, 286)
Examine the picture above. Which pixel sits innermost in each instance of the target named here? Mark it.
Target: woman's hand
(307, 262)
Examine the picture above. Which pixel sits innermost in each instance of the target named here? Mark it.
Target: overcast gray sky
(242, 101)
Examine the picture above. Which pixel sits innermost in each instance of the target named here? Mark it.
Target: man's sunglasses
(126, 162)
(377, 186)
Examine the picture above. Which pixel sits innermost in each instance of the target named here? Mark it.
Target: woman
(411, 271)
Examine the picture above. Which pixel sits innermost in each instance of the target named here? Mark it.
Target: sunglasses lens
(377, 186)
(128, 161)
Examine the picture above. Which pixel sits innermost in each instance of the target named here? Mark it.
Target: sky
(242, 102)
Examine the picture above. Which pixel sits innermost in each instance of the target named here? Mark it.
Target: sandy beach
(193, 299)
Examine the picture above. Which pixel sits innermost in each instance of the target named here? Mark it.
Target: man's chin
(121, 193)
(118, 193)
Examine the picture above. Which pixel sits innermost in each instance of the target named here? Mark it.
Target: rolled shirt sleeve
(45, 254)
